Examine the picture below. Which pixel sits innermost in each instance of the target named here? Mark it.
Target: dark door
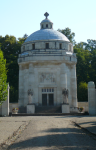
(44, 99)
(51, 101)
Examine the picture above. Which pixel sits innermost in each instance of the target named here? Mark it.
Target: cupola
(46, 23)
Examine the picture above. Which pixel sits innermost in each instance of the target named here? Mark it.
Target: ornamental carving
(65, 95)
(30, 92)
(30, 96)
(65, 92)
(47, 77)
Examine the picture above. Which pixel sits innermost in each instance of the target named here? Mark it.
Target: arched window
(42, 26)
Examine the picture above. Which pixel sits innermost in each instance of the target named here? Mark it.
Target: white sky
(18, 17)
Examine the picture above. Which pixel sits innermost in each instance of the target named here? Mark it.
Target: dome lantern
(46, 23)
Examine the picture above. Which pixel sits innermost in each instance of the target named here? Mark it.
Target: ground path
(53, 133)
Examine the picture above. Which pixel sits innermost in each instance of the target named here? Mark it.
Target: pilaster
(63, 79)
(31, 79)
(73, 86)
(25, 85)
(21, 88)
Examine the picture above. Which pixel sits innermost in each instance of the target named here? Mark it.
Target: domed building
(47, 69)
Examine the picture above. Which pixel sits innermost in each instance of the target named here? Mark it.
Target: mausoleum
(47, 69)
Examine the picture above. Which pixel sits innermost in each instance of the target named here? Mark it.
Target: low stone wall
(74, 110)
(84, 105)
(80, 104)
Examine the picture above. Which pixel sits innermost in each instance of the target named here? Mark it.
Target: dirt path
(56, 133)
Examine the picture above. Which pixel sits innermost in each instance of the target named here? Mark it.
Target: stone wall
(53, 74)
(41, 45)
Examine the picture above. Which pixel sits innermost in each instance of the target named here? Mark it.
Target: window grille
(50, 90)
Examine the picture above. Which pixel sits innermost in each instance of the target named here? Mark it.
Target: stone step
(48, 114)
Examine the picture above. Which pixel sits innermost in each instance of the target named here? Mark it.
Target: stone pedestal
(30, 109)
(65, 108)
(92, 98)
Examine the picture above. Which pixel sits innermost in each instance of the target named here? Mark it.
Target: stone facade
(46, 67)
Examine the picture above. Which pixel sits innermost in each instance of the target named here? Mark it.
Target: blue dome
(46, 34)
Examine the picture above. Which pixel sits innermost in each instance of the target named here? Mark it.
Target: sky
(19, 17)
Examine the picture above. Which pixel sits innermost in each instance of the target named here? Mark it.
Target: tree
(83, 65)
(86, 66)
(70, 35)
(81, 45)
(82, 91)
(11, 48)
(3, 79)
(92, 71)
(25, 36)
(91, 44)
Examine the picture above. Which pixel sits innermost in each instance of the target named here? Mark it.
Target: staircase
(48, 109)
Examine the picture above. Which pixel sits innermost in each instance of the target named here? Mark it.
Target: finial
(46, 15)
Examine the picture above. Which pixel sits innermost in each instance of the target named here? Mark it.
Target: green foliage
(70, 35)
(25, 36)
(90, 45)
(82, 91)
(3, 78)
(11, 48)
(14, 93)
(92, 71)
(83, 65)
(86, 66)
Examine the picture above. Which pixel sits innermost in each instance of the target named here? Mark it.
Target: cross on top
(46, 15)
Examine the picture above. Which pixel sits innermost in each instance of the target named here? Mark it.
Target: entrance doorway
(51, 102)
(44, 99)
(47, 96)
